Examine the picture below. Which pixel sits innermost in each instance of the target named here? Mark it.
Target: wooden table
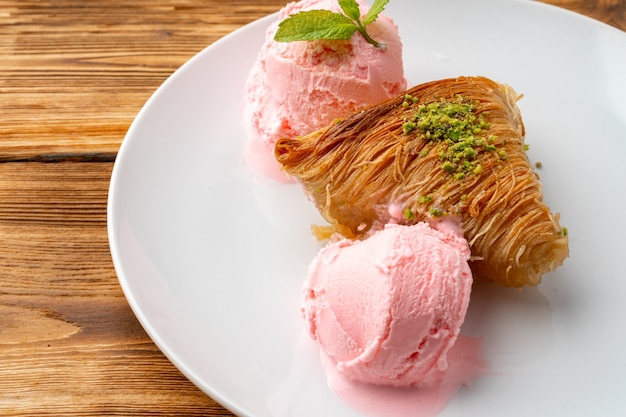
(73, 75)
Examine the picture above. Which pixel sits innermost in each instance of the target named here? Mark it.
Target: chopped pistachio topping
(408, 100)
(564, 231)
(408, 127)
(425, 199)
(454, 125)
(408, 214)
(435, 212)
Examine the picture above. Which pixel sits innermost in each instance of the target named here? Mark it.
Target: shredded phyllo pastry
(452, 147)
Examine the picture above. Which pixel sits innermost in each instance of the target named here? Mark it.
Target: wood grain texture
(611, 12)
(73, 75)
(69, 343)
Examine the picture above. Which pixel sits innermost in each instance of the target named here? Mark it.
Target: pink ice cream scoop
(386, 310)
(295, 88)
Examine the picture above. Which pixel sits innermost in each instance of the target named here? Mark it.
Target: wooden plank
(74, 74)
(611, 12)
(69, 342)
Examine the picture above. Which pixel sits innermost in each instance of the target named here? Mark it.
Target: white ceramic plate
(212, 262)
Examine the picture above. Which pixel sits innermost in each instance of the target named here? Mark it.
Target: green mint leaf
(315, 24)
(351, 9)
(374, 11)
(323, 24)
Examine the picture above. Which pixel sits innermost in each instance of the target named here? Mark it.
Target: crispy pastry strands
(359, 168)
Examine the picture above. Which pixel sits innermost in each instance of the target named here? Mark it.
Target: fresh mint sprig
(323, 24)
